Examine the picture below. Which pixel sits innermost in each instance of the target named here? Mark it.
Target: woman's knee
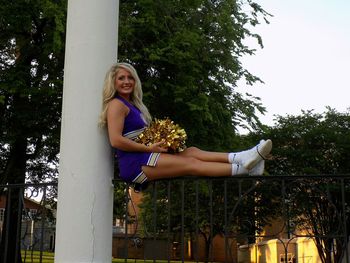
(191, 151)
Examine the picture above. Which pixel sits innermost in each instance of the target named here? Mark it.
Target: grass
(29, 257)
(48, 257)
(119, 260)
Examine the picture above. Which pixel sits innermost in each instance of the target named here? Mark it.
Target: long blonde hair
(109, 92)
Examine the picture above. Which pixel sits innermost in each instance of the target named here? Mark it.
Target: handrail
(198, 218)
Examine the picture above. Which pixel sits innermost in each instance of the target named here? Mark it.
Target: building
(275, 245)
(37, 229)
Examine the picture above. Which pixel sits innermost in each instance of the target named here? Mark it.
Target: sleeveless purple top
(130, 163)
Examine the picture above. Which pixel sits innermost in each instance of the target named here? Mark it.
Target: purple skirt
(130, 165)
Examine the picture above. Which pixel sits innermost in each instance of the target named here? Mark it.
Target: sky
(305, 62)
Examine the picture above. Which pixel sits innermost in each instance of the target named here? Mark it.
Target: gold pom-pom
(173, 136)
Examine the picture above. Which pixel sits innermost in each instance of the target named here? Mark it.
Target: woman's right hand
(157, 147)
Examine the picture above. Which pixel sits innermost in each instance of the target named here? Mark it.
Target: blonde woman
(125, 117)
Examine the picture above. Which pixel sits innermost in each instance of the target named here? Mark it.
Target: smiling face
(124, 83)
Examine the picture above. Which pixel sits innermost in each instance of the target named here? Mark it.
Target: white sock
(238, 169)
(237, 157)
(258, 169)
(249, 158)
(231, 157)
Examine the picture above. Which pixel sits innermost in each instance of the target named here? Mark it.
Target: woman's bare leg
(204, 155)
(169, 166)
(194, 161)
(248, 158)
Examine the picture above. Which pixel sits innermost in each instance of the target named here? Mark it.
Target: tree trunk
(10, 246)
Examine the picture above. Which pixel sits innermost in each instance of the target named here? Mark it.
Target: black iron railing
(240, 219)
(236, 219)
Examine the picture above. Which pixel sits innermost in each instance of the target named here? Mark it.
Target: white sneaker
(251, 157)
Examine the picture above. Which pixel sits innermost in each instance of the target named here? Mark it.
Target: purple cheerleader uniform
(130, 163)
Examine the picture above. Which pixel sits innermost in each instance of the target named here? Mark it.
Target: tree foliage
(32, 55)
(311, 143)
(188, 55)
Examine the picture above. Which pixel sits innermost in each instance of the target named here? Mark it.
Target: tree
(32, 55)
(188, 54)
(315, 144)
(310, 143)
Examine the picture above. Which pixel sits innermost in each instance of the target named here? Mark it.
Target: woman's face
(124, 83)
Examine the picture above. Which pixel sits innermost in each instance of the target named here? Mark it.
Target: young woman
(126, 117)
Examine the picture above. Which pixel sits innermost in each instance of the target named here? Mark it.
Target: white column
(85, 191)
